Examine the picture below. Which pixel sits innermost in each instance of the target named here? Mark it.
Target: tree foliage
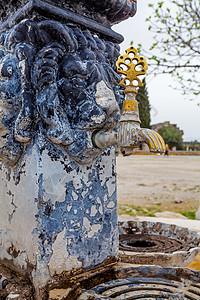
(176, 47)
(144, 106)
(171, 135)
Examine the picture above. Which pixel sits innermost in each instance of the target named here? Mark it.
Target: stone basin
(155, 243)
(140, 282)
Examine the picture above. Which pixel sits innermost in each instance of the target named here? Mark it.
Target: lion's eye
(10, 70)
(5, 70)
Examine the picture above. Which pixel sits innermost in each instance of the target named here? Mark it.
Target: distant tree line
(144, 105)
(176, 46)
(172, 136)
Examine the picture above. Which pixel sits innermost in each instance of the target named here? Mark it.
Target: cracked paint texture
(57, 215)
(58, 86)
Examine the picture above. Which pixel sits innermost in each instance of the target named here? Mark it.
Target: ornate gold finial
(131, 65)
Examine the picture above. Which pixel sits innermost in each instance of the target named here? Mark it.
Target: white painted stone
(101, 209)
(93, 211)
(16, 223)
(13, 296)
(111, 187)
(60, 259)
(100, 206)
(22, 66)
(86, 223)
(94, 228)
(69, 207)
(111, 204)
(22, 260)
(99, 119)
(105, 198)
(74, 195)
(91, 229)
(41, 275)
(105, 97)
(84, 193)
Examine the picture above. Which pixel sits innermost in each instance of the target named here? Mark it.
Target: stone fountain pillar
(58, 86)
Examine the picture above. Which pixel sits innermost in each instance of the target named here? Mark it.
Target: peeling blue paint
(70, 214)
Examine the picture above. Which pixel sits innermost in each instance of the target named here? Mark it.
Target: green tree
(172, 136)
(176, 47)
(144, 106)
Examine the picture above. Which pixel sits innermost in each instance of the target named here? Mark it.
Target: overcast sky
(167, 104)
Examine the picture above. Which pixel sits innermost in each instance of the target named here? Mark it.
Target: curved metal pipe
(129, 134)
(129, 139)
(152, 139)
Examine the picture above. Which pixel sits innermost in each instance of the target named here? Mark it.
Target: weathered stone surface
(57, 215)
(50, 75)
(58, 86)
(104, 11)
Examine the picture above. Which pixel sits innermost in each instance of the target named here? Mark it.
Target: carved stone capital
(104, 11)
(58, 79)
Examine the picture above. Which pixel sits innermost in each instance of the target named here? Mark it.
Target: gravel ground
(158, 183)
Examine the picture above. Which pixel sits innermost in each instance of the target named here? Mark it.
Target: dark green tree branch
(144, 106)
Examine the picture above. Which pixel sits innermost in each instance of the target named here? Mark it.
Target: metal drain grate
(156, 237)
(151, 243)
(149, 283)
(143, 288)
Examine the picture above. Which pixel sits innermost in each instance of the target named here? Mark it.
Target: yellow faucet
(130, 135)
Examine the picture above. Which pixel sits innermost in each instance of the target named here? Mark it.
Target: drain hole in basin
(141, 244)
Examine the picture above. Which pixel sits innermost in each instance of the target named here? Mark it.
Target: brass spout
(152, 139)
(129, 134)
(137, 136)
(128, 137)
